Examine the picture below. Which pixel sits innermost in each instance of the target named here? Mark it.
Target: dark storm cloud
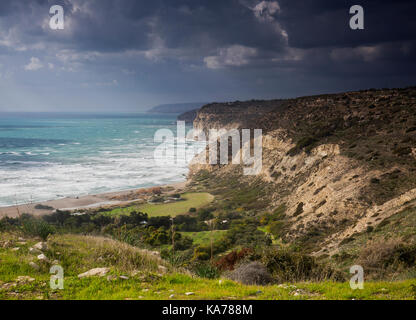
(113, 25)
(202, 26)
(324, 22)
(222, 49)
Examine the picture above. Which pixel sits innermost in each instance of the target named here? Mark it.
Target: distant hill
(189, 116)
(176, 108)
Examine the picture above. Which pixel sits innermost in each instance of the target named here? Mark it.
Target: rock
(8, 286)
(111, 278)
(145, 290)
(7, 244)
(124, 277)
(100, 272)
(171, 296)
(259, 292)
(34, 265)
(43, 258)
(162, 269)
(42, 246)
(34, 251)
(16, 249)
(189, 293)
(25, 279)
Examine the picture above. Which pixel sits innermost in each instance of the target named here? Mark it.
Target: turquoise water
(50, 156)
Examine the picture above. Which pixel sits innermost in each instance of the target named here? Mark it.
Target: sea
(45, 156)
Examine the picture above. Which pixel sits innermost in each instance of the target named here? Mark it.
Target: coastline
(84, 202)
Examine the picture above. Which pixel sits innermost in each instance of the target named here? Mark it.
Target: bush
(202, 253)
(288, 266)
(228, 261)
(381, 257)
(206, 270)
(204, 215)
(299, 209)
(253, 273)
(176, 258)
(38, 228)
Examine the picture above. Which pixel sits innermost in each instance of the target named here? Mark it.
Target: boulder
(34, 265)
(43, 258)
(42, 246)
(100, 272)
(162, 269)
(34, 251)
(8, 244)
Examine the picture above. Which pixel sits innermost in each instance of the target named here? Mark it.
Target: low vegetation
(157, 207)
(136, 274)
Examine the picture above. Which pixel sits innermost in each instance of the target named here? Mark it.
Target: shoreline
(83, 202)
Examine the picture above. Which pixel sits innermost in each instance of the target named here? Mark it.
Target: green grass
(191, 200)
(78, 254)
(204, 237)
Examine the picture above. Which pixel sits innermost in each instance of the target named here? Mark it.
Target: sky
(130, 55)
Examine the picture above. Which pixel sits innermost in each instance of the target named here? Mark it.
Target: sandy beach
(84, 202)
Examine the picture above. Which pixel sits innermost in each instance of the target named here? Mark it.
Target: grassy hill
(146, 276)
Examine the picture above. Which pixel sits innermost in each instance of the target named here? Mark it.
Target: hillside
(341, 164)
(188, 116)
(337, 188)
(127, 273)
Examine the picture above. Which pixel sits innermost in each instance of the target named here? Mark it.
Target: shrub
(381, 257)
(306, 143)
(183, 243)
(176, 258)
(202, 253)
(276, 228)
(252, 273)
(228, 261)
(204, 214)
(205, 270)
(299, 209)
(37, 227)
(288, 266)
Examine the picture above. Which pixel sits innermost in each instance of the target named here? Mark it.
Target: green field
(204, 237)
(144, 280)
(191, 200)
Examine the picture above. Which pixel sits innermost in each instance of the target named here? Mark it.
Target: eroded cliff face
(340, 163)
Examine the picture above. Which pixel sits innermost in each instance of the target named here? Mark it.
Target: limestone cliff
(340, 163)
